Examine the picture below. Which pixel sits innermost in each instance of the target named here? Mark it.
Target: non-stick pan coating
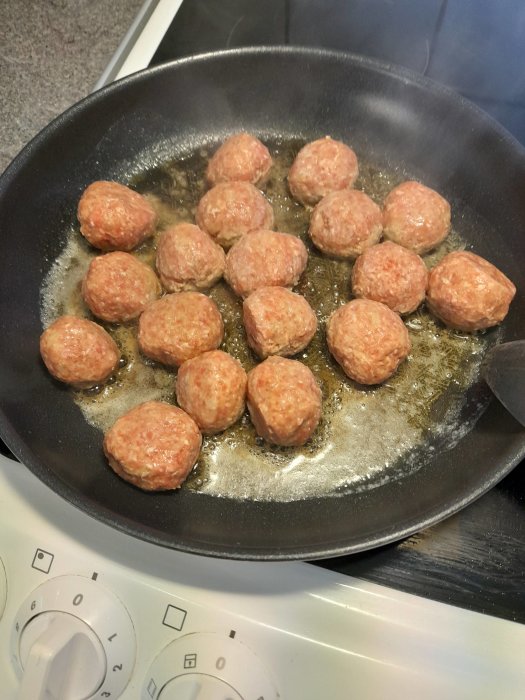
(388, 114)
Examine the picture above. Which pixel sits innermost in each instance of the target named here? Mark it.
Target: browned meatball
(416, 217)
(154, 446)
(391, 274)
(78, 352)
(113, 217)
(468, 293)
(368, 340)
(284, 401)
(188, 259)
(321, 167)
(265, 259)
(117, 287)
(212, 389)
(345, 223)
(231, 209)
(278, 322)
(177, 327)
(242, 157)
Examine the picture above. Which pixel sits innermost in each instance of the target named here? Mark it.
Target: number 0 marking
(220, 663)
(78, 599)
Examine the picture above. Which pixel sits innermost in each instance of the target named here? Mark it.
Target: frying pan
(389, 114)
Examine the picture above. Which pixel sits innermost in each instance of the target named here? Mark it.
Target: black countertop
(475, 559)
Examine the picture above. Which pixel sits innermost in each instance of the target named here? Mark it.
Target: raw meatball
(416, 217)
(212, 389)
(117, 287)
(188, 259)
(265, 259)
(284, 401)
(468, 293)
(391, 274)
(78, 352)
(278, 322)
(113, 217)
(242, 157)
(154, 446)
(368, 340)
(345, 223)
(321, 167)
(177, 327)
(231, 209)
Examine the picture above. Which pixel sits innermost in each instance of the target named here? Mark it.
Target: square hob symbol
(174, 617)
(42, 561)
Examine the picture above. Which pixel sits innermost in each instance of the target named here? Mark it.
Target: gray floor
(51, 55)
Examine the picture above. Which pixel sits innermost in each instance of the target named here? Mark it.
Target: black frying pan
(388, 114)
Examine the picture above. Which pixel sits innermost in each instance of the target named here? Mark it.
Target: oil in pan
(367, 434)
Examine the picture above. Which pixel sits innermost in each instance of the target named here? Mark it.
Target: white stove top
(209, 628)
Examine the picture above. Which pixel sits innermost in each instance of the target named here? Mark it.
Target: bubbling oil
(366, 435)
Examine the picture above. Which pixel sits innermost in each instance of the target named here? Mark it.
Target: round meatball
(188, 259)
(468, 293)
(117, 287)
(416, 217)
(231, 209)
(345, 223)
(265, 259)
(154, 446)
(177, 327)
(113, 217)
(212, 389)
(78, 352)
(278, 322)
(321, 167)
(391, 274)
(368, 340)
(242, 157)
(284, 401)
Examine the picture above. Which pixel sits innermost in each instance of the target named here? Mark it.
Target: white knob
(62, 658)
(72, 639)
(198, 687)
(3, 588)
(208, 666)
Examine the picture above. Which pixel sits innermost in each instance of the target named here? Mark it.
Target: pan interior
(368, 434)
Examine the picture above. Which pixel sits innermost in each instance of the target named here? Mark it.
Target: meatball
(117, 287)
(469, 293)
(78, 352)
(154, 446)
(284, 401)
(113, 217)
(391, 274)
(265, 259)
(177, 327)
(212, 389)
(321, 167)
(416, 217)
(188, 259)
(231, 209)
(345, 223)
(242, 157)
(368, 340)
(278, 322)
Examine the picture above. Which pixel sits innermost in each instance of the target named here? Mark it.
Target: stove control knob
(72, 639)
(208, 666)
(3, 588)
